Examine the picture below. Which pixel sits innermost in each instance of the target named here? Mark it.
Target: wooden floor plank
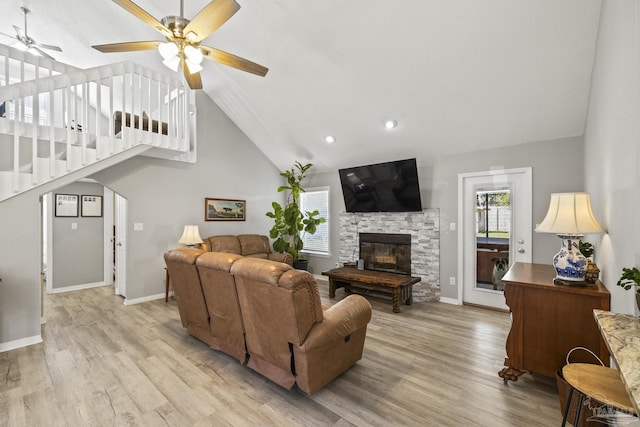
(107, 364)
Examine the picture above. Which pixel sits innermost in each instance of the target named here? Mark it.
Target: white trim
(132, 301)
(22, 342)
(448, 300)
(76, 287)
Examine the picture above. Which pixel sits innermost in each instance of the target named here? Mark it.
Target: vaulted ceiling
(457, 75)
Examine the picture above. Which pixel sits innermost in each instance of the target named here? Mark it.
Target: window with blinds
(311, 200)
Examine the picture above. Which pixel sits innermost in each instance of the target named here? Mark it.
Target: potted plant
(289, 221)
(593, 271)
(631, 278)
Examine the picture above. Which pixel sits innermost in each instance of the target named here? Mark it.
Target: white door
(120, 248)
(494, 213)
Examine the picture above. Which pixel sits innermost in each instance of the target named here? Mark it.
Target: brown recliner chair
(290, 339)
(249, 245)
(221, 298)
(206, 297)
(181, 264)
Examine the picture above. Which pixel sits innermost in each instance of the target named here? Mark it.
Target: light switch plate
(138, 226)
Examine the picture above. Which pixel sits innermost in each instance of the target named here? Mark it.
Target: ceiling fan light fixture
(193, 67)
(194, 55)
(172, 63)
(168, 50)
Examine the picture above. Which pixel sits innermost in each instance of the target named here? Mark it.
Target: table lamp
(191, 236)
(570, 217)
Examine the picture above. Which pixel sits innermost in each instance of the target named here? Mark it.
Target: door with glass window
(495, 232)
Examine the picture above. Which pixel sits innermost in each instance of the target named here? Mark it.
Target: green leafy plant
(586, 249)
(289, 221)
(630, 278)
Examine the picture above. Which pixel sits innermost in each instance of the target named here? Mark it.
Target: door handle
(520, 241)
(521, 250)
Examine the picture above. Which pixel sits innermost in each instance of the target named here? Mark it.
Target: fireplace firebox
(386, 252)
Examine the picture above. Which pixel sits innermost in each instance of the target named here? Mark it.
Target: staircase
(59, 123)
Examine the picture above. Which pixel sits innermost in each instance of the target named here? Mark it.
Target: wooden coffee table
(388, 286)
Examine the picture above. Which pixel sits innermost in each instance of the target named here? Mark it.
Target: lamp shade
(570, 213)
(190, 236)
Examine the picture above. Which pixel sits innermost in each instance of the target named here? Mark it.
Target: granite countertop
(621, 333)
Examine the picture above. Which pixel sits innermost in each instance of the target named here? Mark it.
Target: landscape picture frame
(91, 205)
(66, 205)
(224, 209)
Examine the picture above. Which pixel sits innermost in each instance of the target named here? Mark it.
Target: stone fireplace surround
(424, 228)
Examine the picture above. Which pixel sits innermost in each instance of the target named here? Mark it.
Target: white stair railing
(69, 119)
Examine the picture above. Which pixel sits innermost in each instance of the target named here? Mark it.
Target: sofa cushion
(228, 244)
(251, 244)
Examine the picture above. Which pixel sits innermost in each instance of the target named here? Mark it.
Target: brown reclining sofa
(267, 315)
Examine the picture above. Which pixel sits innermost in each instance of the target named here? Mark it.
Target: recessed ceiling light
(390, 124)
(330, 139)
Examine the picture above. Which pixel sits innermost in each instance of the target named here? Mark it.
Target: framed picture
(66, 205)
(91, 205)
(224, 210)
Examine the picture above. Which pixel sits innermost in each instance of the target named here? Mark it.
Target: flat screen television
(382, 187)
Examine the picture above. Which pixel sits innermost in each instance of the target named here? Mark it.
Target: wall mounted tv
(382, 187)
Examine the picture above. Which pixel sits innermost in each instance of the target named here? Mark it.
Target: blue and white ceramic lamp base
(569, 263)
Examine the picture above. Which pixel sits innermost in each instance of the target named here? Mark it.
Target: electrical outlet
(336, 265)
(452, 281)
(452, 226)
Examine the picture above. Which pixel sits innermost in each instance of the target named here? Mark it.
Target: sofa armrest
(342, 319)
(282, 257)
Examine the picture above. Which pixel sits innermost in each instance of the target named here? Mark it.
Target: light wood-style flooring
(106, 364)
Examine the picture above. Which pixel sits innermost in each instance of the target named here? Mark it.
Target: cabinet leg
(510, 373)
(332, 288)
(395, 298)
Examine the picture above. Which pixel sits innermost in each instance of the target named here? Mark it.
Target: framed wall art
(66, 205)
(224, 210)
(91, 205)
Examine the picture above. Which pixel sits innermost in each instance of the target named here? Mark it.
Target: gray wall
(19, 268)
(165, 195)
(77, 254)
(611, 147)
(439, 189)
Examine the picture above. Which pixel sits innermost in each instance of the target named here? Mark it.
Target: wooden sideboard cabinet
(548, 320)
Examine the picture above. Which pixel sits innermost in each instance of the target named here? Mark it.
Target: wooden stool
(596, 382)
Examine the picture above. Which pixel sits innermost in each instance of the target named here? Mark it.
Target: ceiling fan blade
(50, 47)
(234, 61)
(8, 35)
(193, 80)
(19, 32)
(127, 46)
(42, 53)
(210, 18)
(141, 14)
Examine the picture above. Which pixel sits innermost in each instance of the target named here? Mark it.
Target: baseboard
(132, 301)
(22, 342)
(447, 300)
(77, 287)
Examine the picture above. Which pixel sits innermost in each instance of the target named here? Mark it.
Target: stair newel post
(16, 145)
(35, 121)
(68, 96)
(52, 133)
(98, 117)
(83, 132)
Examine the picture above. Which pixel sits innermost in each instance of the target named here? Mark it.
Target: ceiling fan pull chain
(181, 7)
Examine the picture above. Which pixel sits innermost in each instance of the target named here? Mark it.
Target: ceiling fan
(183, 37)
(29, 43)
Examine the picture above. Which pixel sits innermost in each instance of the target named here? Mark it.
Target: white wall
(611, 145)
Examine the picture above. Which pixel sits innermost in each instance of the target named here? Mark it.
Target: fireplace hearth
(386, 252)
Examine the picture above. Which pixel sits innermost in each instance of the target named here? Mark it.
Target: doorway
(495, 231)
